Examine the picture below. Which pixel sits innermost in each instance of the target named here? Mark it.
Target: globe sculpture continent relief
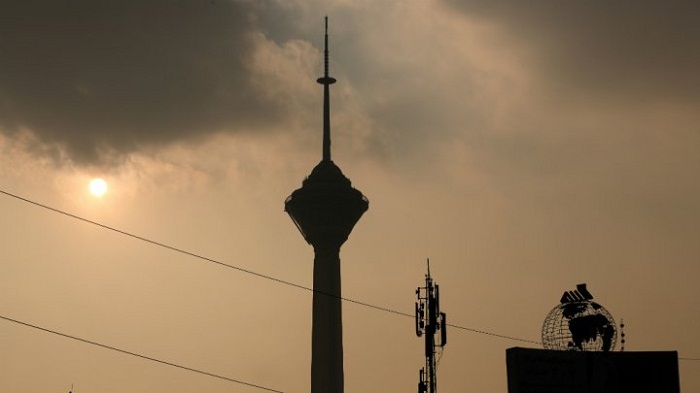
(579, 324)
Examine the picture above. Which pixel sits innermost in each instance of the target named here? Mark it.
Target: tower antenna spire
(326, 81)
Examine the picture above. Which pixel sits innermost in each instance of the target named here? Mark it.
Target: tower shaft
(327, 329)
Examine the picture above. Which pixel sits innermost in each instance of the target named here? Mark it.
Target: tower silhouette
(325, 209)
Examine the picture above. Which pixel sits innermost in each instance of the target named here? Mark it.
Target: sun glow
(97, 187)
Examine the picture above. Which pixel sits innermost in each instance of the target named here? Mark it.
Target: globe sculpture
(579, 324)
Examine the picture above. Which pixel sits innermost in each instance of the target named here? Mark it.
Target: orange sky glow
(523, 149)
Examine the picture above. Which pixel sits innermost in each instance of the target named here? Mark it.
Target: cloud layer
(622, 47)
(101, 77)
(100, 80)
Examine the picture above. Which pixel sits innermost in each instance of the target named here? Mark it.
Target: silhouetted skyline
(522, 147)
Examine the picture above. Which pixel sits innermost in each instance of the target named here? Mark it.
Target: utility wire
(138, 355)
(247, 271)
(494, 334)
(153, 242)
(260, 275)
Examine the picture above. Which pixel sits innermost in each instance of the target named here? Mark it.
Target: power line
(154, 242)
(494, 334)
(138, 355)
(264, 276)
(247, 271)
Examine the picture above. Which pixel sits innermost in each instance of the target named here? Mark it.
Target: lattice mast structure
(325, 210)
(429, 322)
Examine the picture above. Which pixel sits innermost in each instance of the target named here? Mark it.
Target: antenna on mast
(622, 334)
(429, 320)
(326, 81)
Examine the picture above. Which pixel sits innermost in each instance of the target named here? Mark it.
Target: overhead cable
(265, 276)
(138, 355)
(247, 271)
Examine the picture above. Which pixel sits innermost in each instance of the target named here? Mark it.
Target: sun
(97, 187)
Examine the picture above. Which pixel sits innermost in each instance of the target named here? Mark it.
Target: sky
(524, 147)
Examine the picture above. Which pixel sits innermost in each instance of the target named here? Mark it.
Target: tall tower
(325, 209)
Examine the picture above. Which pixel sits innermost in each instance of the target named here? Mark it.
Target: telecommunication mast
(325, 210)
(429, 321)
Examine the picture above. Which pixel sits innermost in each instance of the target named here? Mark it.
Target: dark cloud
(618, 47)
(110, 76)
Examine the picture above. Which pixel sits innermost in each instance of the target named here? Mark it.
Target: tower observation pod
(325, 210)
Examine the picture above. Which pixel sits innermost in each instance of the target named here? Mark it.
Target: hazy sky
(524, 147)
